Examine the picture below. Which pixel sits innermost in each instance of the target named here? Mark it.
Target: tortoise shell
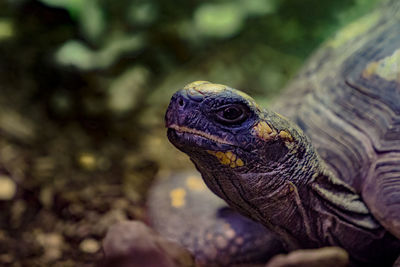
(347, 100)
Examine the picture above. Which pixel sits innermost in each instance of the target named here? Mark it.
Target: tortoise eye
(232, 114)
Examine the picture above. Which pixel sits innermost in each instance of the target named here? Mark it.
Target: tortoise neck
(328, 212)
(311, 207)
(319, 213)
(329, 192)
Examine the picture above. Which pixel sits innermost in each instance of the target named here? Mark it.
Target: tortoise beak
(178, 106)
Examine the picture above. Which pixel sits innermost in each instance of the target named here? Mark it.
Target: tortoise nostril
(181, 102)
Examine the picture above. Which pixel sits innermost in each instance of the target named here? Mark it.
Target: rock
(89, 245)
(8, 188)
(18, 209)
(52, 244)
(131, 243)
(46, 196)
(87, 161)
(16, 126)
(322, 257)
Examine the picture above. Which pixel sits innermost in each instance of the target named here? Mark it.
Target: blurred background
(83, 89)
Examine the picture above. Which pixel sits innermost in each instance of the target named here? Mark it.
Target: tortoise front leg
(182, 209)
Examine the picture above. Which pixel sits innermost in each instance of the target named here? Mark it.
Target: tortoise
(324, 173)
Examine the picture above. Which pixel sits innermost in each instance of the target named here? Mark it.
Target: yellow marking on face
(227, 158)
(264, 131)
(229, 154)
(387, 68)
(286, 136)
(219, 154)
(210, 88)
(226, 161)
(177, 196)
(195, 183)
(239, 162)
(205, 87)
(194, 84)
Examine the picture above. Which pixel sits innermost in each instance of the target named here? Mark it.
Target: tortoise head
(230, 138)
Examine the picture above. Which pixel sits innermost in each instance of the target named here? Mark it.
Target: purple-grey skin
(265, 167)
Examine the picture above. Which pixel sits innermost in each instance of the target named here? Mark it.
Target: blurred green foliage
(295, 26)
(74, 52)
(6, 29)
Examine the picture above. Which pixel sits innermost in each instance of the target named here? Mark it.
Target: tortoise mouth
(183, 130)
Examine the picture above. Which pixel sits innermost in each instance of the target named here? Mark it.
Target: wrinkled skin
(263, 166)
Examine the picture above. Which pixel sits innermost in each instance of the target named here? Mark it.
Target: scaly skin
(263, 166)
